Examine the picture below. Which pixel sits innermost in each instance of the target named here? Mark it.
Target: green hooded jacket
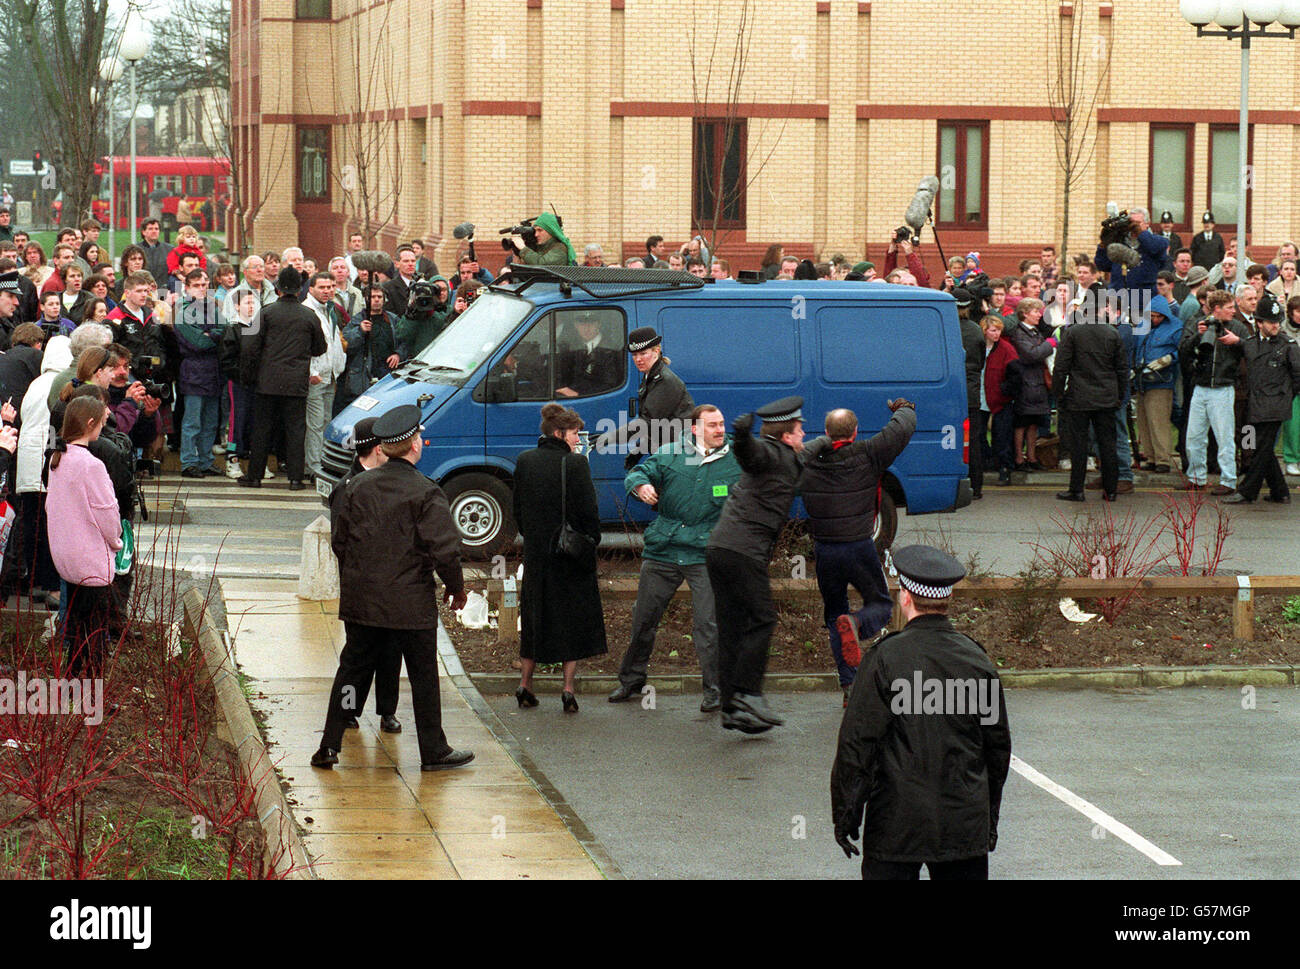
(692, 490)
(557, 252)
(415, 335)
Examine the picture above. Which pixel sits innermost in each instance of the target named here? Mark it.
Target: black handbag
(569, 543)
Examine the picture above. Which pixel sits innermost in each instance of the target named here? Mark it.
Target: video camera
(1116, 228)
(144, 368)
(423, 300)
(525, 229)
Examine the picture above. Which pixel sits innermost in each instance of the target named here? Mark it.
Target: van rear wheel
(481, 507)
(886, 526)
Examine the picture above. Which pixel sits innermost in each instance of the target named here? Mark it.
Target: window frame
(717, 163)
(1189, 158)
(300, 4)
(1227, 229)
(959, 199)
(299, 134)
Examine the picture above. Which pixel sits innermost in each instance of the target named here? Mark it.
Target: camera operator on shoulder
(1131, 252)
(901, 241)
(542, 242)
(427, 314)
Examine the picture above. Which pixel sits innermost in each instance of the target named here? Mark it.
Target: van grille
(334, 461)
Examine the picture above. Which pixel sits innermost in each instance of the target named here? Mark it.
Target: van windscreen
(473, 336)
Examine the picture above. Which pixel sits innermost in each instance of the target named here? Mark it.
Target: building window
(963, 175)
(719, 174)
(313, 164)
(1226, 179)
(312, 9)
(1171, 173)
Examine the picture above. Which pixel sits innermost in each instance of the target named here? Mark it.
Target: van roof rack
(603, 281)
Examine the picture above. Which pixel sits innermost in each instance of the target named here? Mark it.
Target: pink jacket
(81, 511)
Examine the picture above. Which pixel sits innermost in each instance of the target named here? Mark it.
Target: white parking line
(1093, 813)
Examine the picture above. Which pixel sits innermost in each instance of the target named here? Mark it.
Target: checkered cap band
(928, 591)
(405, 435)
(796, 414)
(638, 345)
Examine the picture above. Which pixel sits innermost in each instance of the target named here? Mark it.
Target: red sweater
(995, 368)
(174, 260)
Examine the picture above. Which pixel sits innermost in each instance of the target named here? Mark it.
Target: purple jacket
(82, 519)
(198, 331)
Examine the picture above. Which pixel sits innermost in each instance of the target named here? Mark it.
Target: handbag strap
(564, 498)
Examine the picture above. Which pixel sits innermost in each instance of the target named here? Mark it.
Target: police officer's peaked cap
(363, 435)
(1208, 217)
(643, 338)
(398, 424)
(9, 283)
(1166, 216)
(926, 571)
(785, 409)
(1270, 309)
(963, 296)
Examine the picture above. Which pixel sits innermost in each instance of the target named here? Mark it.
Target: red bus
(203, 184)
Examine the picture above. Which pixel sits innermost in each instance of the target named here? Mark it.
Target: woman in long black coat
(560, 614)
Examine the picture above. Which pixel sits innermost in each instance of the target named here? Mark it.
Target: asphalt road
(672, 795)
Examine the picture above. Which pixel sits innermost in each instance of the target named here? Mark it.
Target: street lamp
(133, 48)
(110, 69)
(1244, 19)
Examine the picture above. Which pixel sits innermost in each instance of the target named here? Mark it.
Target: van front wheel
(481, 508)
(886, 526)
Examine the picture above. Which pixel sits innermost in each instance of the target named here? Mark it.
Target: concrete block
(319, 574)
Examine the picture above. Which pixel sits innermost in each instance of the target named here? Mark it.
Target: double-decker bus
(202, 183)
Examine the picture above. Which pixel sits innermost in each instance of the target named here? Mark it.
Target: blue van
(482, 382)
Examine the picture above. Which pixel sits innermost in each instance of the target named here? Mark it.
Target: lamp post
(133, 48)
(110, 69)
(1242, 19)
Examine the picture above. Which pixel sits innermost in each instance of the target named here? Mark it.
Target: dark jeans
(839, 565)
(363, 655)
(1004, 438)
(85, 634)
(241, 419)
(978, 432)
(41, 573)
(1263, 469)
(1102, 423)
(656, 586)
(271, 411)
(746, 618)
(967, 869)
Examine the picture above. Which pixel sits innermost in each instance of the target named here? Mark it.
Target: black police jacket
(1273, 376)
(972, 341)
(662, 395)
(930, 777)
(839, 485)
(277, 357)
(391, 532)
(1092, 368)
(760, 501)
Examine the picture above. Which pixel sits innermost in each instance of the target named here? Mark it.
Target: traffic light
(38, 164)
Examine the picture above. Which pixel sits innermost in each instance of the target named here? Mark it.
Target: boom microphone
(918, 210)
(466, 231)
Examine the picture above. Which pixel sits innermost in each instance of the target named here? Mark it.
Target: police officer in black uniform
(924, 745)
(387, 593)
(367, 455)
(661, 396)
(738, 554)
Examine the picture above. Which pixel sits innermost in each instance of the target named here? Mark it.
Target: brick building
(491, 110)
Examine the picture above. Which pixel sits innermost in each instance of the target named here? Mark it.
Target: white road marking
(1093, 813)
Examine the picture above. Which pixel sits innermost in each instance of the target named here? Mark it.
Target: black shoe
(1279, 499)
(325, 758)
(570, 702)
(1004, 477)
(755, 704)
(976, 495)
(525, 698)
(1237, 498)
(191, 473)
(1161, 469)
(625, 692)
(456, 758)
(212, 473)
(1020, 466)
(1033, 466)
(296, 486)
(1070, 496)
(247, 482)
(390, 724)
(351, 723)
(712, 701)
(744, 722)
(1109, 496)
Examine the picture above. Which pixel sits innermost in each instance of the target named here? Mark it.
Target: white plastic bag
(475, 613)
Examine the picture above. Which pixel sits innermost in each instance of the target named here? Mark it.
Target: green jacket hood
(548, 222)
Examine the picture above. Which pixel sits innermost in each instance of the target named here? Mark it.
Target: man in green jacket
(688, 482)
(553, 246)
(418, 327)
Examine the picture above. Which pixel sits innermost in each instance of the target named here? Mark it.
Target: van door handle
(631, 407)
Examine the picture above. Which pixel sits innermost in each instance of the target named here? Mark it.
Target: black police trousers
(364, 654)
(742, 594)
(1103, 425)
(966, 870)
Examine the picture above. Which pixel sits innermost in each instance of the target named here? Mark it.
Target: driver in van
(590, 364)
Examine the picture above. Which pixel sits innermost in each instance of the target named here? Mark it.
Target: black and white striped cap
(642, 338)
(926, 571)
(785, 409)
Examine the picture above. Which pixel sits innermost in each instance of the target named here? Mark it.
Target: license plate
(365, 402)
(323, 487)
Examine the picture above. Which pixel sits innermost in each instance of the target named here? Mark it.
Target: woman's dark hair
(557, 417)
(92, 360)
(127, 253)
(80, 414)
(1292, 305)
(85, 248)
(33, 245)
(772, 257)
(88, 314)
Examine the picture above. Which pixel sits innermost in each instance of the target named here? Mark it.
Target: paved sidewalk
(376, 815)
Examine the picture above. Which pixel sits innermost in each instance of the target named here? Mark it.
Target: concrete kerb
(1115, 678)
(466, 684)
(273, 810)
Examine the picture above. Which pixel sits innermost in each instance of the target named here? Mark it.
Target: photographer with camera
(542, 242)
(1131, 253)
(371, 351)
(902, 242)
(427, 314)
(1212, 353)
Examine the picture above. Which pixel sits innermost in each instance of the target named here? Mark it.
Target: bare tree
(723, 187)
(1077, 68)
(64, 43)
